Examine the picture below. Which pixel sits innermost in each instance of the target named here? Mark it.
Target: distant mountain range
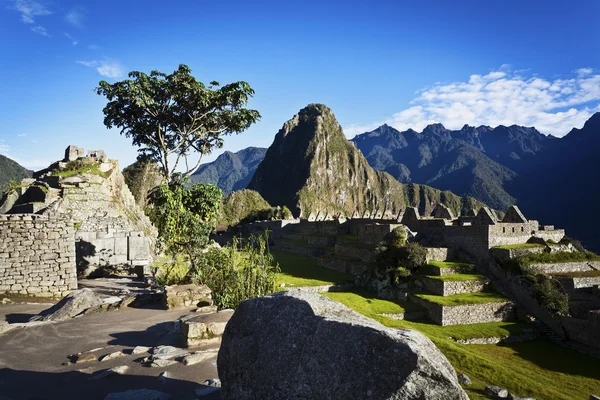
(231, 171)
(312, 168)
(11, 170)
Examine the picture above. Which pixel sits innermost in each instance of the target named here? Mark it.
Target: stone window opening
(513, 229)
(504, 230)
(522, 229)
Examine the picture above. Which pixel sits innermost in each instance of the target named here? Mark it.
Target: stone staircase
(454, 294)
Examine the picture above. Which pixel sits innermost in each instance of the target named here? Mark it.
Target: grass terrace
(298, 270)
(537, 368)
(366, 303)
(519, 246)
(459, 277)
(449, 264)
(464, 298)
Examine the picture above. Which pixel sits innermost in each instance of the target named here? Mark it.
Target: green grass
(537, 368)
(366, 303)
(303, 243)
(464, 298)
(448, 264)
(458, 277)
(579, 274)
(519, 246)
(298, 270)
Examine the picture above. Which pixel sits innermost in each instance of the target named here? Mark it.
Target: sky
(404, 63)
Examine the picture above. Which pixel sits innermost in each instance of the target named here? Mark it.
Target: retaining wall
(37, 255)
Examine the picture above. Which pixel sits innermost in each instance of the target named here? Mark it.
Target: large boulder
(299, 345)
(70, 306)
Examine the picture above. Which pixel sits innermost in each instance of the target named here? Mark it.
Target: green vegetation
(78, 167)
(364, 302)
(397, 260)
(547, 292)
(141, 177)
(297, 270)
(453, 265)
(171, 116)
(537, 368)
(459, 277)
(11, 172)
(464, 298)
(244, 206)
(184, 216)
(519, 246)
(520, 265)
(171, 270)
(579, 274)
(237, 274)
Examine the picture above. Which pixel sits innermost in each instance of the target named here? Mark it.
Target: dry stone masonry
(37, 255)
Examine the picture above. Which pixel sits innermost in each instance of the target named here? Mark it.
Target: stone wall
(448, 288)
(467, 314)
(437, 253)
(37, 255)
(565, 267)
(508, 254)
(374, 233)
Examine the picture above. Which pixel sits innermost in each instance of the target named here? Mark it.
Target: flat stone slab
(196, 328)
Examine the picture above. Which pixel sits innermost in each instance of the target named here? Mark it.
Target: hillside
(562, 187)
(473, 161)
(311, 167)
(11, 171)
(231, 171)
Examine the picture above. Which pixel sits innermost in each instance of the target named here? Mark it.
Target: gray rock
(140, 350)
(496, 392)
(139, 394)
(167, 352)
(211, 386)
(199, 356)
(120, 370)
(594, 397)
(5, 327)
(85, 357)
(463, 379)
(112, 356)
(515, 397)
(162, 363)
(71, 306)
(311, 347)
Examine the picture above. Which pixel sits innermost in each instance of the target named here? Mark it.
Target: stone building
(109, 228)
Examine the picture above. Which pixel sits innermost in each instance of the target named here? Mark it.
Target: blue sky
(404, 63)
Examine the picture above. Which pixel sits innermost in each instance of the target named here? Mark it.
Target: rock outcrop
(74, 304)
(311, 167)
(299, 345)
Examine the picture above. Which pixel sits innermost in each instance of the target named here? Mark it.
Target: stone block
(138, 248)
(181, 296)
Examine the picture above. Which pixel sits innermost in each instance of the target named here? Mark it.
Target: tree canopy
(174, 117)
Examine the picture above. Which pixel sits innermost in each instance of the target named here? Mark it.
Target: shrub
(548, 294)
(397, 237)
(236, 274)
(171, 270)
(398, 262)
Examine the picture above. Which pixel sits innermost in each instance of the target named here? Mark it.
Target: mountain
(11, 171)
(311, 167)
(473, 161)
(562, 187)
(231, 171)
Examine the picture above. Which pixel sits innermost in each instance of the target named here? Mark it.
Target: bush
(398, 262)
(236, 274)
(548, 294)
(397, 237)
(171, 270)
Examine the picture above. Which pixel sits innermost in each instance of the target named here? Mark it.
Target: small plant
(171, 270)
(237, 272)
(547, 292)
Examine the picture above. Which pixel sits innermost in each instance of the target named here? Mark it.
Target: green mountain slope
(312, 167)
(11, 171)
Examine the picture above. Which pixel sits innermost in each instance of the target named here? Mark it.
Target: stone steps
(360, 252)
(446, 268)
(343, 264)
(201, 329)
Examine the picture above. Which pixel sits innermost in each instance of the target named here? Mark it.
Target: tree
(171, 117)
(184, 215)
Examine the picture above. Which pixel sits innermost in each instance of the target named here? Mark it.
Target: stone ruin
(110, 232)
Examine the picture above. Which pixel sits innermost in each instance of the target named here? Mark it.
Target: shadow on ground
(76, 385)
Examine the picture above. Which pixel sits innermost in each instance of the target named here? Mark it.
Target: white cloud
(75, 16)
(41, 30)
(22, 134)
(108, 68)
(503, 97)
(29, 10)
(71, 38)
(93, 47)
